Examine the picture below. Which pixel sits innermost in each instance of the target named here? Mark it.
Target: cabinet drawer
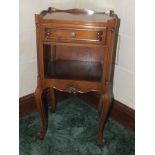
(56, 34)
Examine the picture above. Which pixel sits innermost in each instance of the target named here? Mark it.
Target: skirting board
(120, 112)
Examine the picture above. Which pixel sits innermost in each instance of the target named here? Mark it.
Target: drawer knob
(48, 33)
(73, 34)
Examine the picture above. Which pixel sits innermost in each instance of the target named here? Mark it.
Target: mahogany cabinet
(74, 54)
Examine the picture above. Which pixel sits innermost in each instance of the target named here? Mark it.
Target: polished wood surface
(76, 35)
(81, 53)
(73, 69)
(75, 49)
(76, 15)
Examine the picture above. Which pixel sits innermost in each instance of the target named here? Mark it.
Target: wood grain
(86, 28)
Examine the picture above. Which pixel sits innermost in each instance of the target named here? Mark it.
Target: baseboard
(120, 112)
(123, 114)
(27, 105)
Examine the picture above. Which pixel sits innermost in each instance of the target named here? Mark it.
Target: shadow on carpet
(72, 131)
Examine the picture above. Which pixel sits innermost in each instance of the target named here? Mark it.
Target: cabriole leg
(105, 102)
(42, 112)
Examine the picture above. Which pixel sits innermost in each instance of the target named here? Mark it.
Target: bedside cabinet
(74, 54)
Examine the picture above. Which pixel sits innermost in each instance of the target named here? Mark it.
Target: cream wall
(27, 48)
(98, 5)
(27, 43)
(124, 67)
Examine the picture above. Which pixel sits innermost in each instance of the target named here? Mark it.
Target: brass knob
(73, 34)
(48, 33)
(98, 33)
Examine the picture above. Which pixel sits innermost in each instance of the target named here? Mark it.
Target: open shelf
(74, 70)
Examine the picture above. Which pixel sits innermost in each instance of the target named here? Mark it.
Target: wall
(97, 5)
(124, 67)
(124, 90)
(27, 48)
(27, 41)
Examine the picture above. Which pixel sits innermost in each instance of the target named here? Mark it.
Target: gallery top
(77, 15)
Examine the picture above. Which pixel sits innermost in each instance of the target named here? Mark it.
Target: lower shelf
(75, 70)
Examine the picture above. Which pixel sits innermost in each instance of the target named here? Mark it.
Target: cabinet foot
(101, 140)
(40, 135)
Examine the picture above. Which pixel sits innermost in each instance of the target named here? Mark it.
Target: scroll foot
(40, 135)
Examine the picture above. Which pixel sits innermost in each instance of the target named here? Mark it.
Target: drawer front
(96, 36)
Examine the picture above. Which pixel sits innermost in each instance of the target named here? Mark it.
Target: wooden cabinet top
(77, 15)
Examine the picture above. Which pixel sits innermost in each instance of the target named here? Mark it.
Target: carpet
(72, 131)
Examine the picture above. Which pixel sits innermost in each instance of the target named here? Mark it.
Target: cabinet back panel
(79, 53)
